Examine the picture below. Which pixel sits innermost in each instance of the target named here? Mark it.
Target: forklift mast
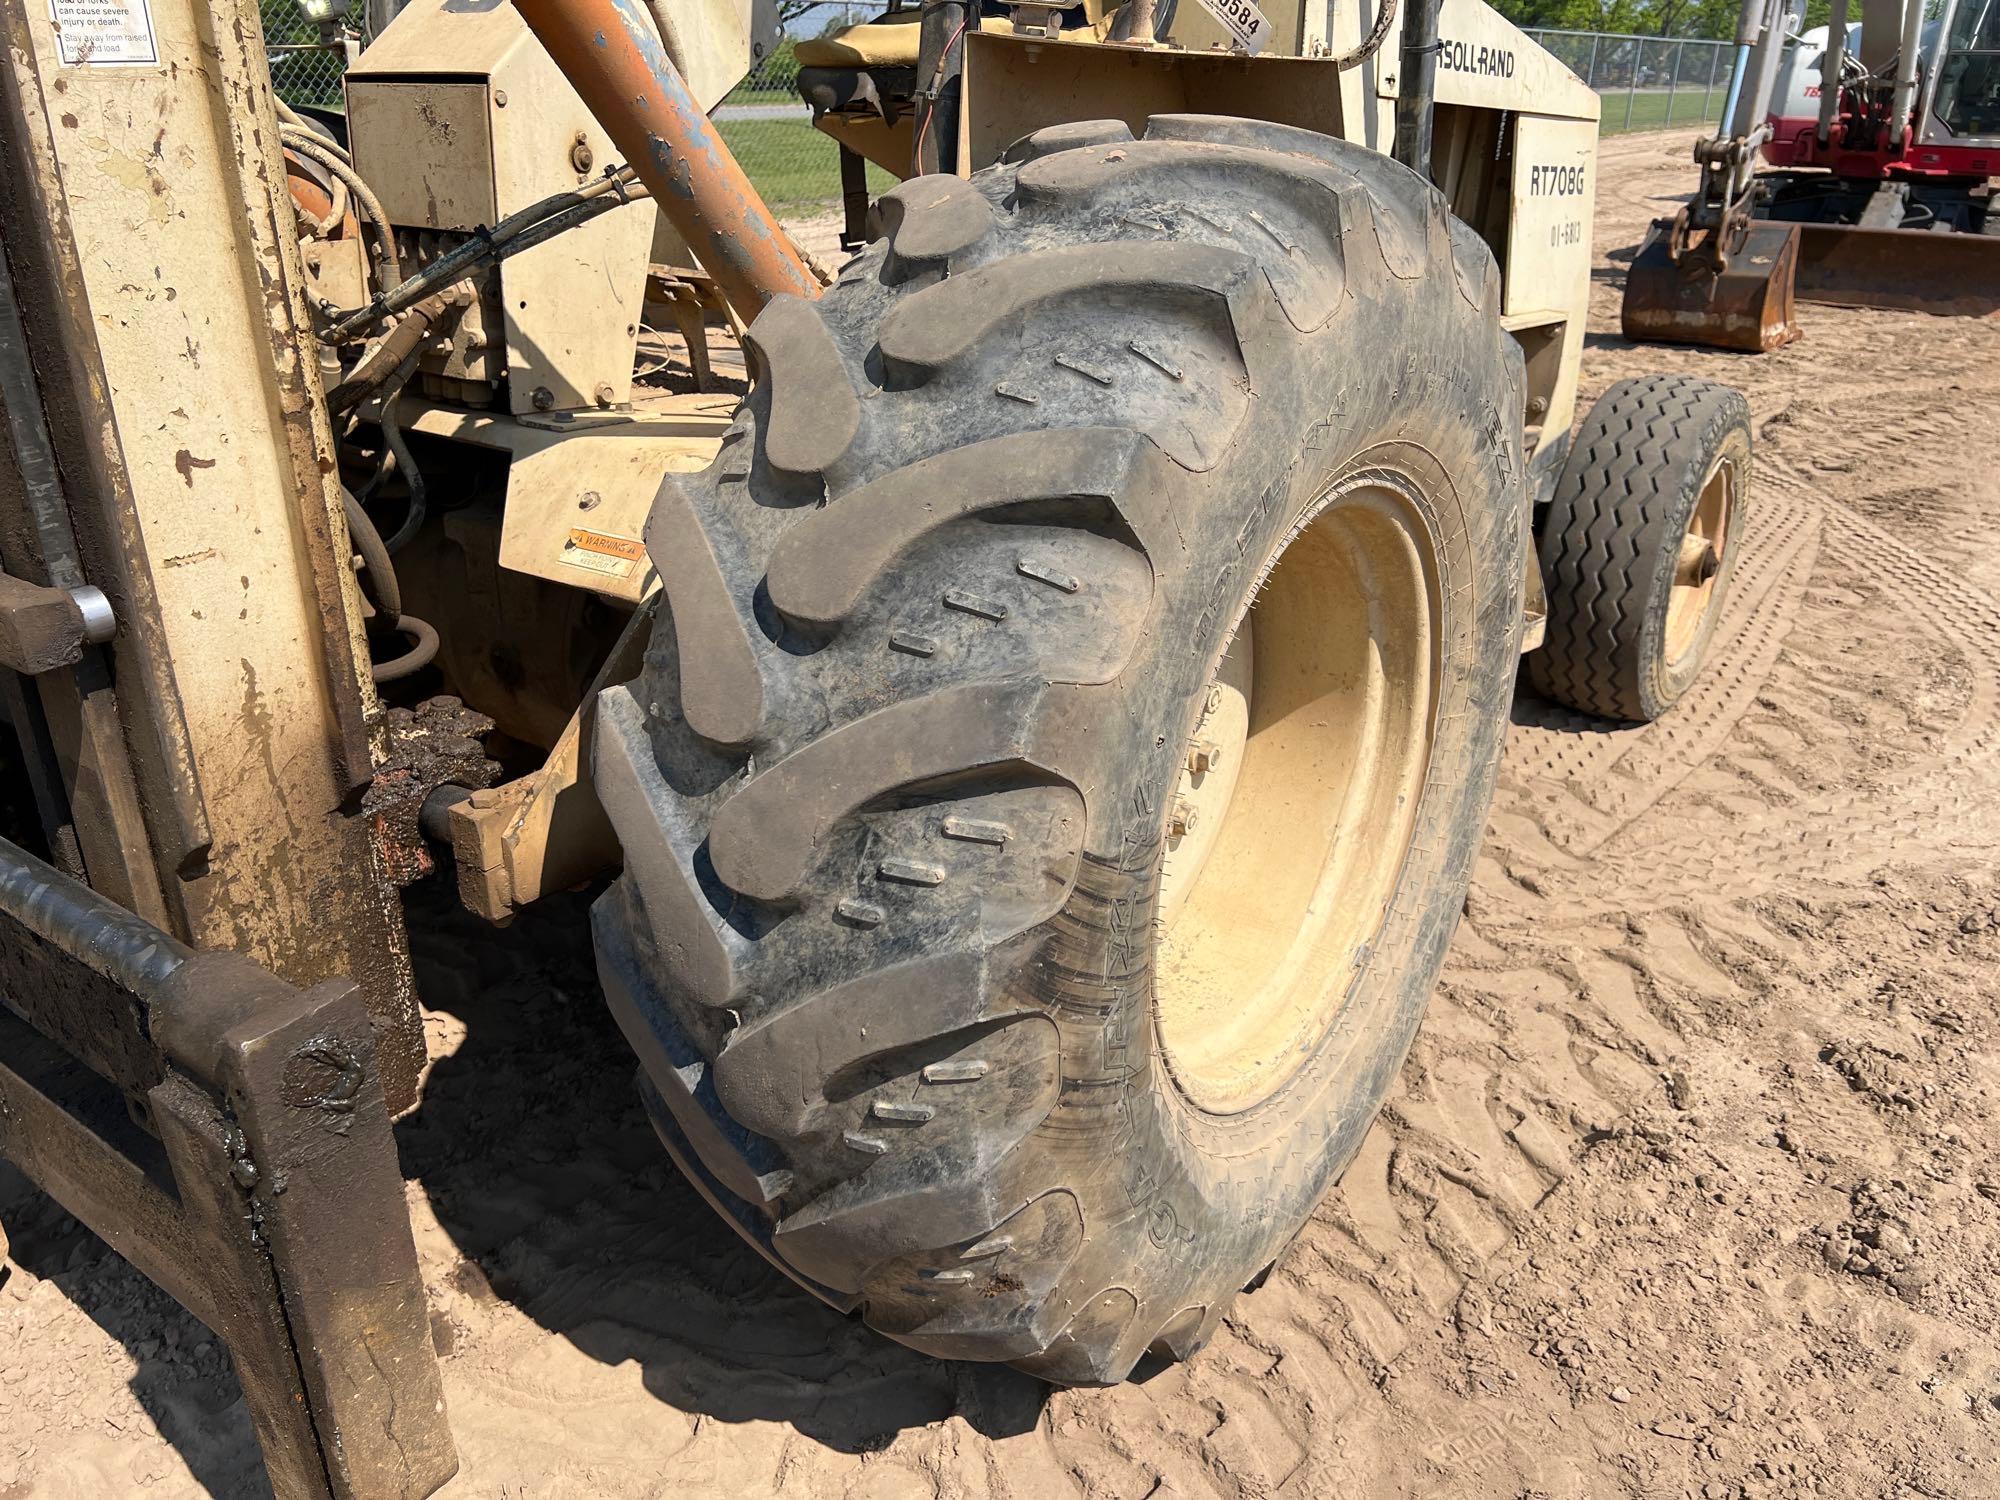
(207, 1018)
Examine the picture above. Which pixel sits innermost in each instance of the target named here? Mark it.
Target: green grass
(762, 93)
(792, 164)
(1649, 109)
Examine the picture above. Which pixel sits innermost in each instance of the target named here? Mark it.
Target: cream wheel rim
(1297, 799)
(1698, 563)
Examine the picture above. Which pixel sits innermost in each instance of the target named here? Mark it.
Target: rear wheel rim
(1698, 564)
(1297, 799)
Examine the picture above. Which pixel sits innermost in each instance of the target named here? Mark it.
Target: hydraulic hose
(1371, 43)
(399, 452)
(381, 570)
(375, 557)
(940, 83)
(291, 119)
(519, 231)
(1830, 69)
(405, 339)
(413, 661)
(1908, 61)
(306, 143)
(337, 205)
(670, 34)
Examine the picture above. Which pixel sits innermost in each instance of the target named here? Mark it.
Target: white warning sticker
(104, 32)
(600, 552)
(1242, 20)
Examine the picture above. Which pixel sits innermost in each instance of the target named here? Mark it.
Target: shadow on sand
(556, 1198)
(182, 1382)
(541, 1167)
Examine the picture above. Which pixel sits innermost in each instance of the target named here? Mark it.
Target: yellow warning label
(600, 552)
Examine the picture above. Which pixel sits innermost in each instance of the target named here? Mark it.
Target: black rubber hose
(307, 143)
(412, 475)
(399, 454)
(374, 557)
(1385, 17)
(388, 597)
(416, 658)
(381, 363)
(521, 231)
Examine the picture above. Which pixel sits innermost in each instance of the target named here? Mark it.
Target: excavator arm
(1882, 203)
(1714, 274)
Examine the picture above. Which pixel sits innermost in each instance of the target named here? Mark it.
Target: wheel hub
(1209, 773)
(1700, 560)
(1296, 801)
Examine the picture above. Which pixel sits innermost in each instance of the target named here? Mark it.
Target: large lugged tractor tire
(1639, 545)
(947, 623)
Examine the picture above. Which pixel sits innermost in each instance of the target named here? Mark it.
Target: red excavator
(1882, 139)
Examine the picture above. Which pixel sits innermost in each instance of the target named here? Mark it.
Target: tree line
(1673, 18)
(1668, 18)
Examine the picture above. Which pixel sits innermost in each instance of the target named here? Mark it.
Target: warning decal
(600, 552)
(104, 32)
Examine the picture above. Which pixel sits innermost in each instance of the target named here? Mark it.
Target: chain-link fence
(1646, 82)
(304, 70)
(795, 167)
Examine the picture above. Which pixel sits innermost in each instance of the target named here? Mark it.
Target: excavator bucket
(1954, 274)
(1677, 294)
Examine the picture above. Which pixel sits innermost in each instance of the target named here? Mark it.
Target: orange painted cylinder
(612, 57)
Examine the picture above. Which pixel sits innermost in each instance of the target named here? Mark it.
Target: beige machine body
(223, 750)
(1515, 144)
(468, 118)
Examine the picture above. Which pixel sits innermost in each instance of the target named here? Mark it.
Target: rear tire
(895, 784)
(1657, 461)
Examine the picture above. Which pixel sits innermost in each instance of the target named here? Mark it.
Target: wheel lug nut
(1182, 821)
(1204, 756)
(1214, 699)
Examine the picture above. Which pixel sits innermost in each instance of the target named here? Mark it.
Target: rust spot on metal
(185, 463)
(1732, 289)
(323, 1074)
(439, 741)
(1957, 275)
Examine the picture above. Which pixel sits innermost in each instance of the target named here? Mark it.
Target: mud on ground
(1691, 1186)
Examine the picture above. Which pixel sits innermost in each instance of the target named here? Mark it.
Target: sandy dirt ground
(1691, 1186)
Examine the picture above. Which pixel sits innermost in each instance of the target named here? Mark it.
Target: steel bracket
(227, 1134)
